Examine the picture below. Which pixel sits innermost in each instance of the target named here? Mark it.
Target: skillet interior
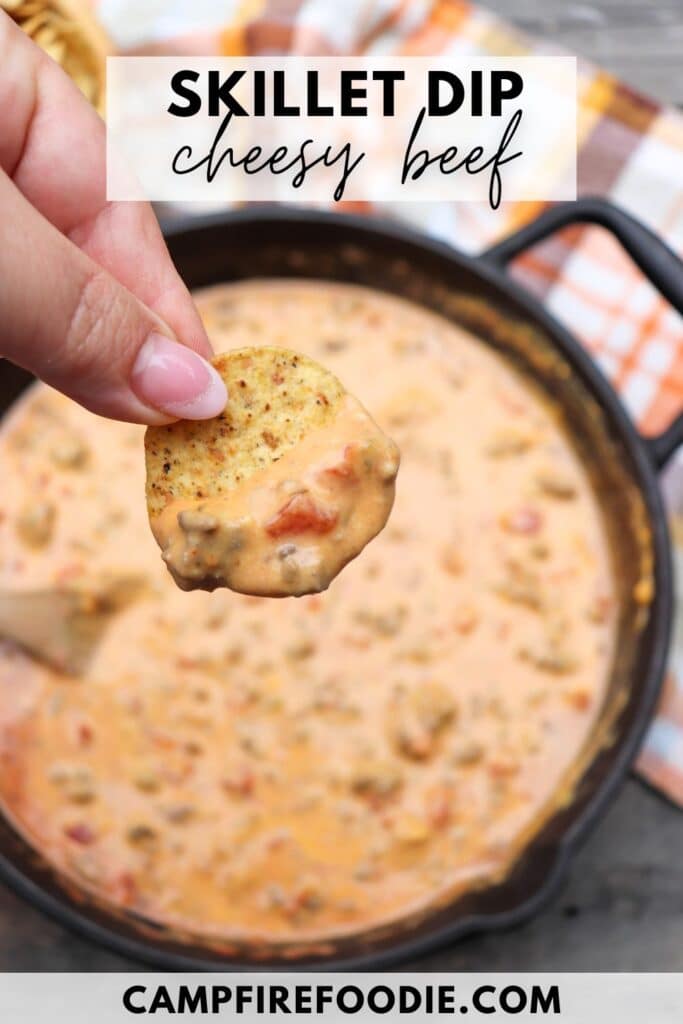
(319, 246)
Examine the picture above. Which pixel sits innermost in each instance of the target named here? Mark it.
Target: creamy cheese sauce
(290, 528)
(245, 768)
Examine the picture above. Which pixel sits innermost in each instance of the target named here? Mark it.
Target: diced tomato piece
(185, 661)
(80, 833)
(440, 805)
(301, 515)
(163, 740)
(85, 734)
(68, 572)
(343, 470)
(600, 609)
(125, 888)
(511, 402)
(502, 769)
(241, 783)
(581, 700)
(466, 620)
(524, 520)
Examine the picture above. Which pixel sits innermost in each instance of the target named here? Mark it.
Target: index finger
(53, 146)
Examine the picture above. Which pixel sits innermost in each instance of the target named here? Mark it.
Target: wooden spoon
(64, 627)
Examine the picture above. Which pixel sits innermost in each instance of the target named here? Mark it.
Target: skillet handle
(662, 446)
(658, 262)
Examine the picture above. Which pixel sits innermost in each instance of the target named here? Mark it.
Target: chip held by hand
(274, 496)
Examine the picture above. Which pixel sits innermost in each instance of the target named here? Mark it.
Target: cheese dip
(291, 527)
(240, 768)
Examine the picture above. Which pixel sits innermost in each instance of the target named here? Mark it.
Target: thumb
(77, 328)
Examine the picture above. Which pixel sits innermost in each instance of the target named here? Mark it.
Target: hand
(89, 298)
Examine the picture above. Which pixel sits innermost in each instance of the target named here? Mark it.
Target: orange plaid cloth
(630, 149)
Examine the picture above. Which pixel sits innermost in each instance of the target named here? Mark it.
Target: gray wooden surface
(621, 907)
(639, 40)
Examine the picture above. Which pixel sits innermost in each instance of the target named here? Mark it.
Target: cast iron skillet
(478, 293)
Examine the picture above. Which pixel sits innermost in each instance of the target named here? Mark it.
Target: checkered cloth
(630, 149)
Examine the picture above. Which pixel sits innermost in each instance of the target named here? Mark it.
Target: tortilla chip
(275, 397)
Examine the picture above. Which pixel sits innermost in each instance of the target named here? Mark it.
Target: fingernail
(177, 381)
